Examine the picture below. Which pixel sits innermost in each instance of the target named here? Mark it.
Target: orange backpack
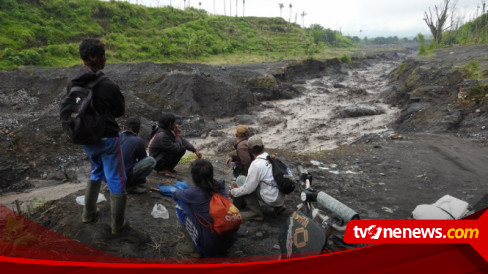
(226, 217)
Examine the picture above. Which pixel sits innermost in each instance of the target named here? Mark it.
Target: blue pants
(189, 222)
(107, 164)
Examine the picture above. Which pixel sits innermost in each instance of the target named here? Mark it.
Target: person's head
(133, 124)
(242, 131)
(203, 176)
(166, 120)
(92, 52)
(255, 145)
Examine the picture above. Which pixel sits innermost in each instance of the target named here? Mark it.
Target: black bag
(80, 120)
(285, 185)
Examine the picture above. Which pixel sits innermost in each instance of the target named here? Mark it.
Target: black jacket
(165, 142)
(107, 98)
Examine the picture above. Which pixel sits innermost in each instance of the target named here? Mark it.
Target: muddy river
(325, 116)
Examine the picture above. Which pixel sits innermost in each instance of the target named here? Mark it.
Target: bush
(345, 59)
(422, 44)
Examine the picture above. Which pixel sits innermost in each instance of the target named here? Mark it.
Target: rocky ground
(382, 134)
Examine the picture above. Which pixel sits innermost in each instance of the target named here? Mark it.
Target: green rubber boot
(90, 211)
(117, 209)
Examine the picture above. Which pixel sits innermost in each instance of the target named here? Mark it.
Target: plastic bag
(168, 190)
(81, 199)
(159, 211)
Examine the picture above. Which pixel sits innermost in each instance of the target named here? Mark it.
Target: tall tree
(243, 5)
(281, 8)
(289, 20)
(436, 24)
(236, 7)
(303, 20)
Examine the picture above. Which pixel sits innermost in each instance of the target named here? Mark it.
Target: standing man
(105, 155)
(168, 147)
(242, 157)
(137, 164)
(259, 186)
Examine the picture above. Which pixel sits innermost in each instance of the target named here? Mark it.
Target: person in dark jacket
(137, 164)
(193, 203)
(105, 156)
(242, 157)
(168, 147)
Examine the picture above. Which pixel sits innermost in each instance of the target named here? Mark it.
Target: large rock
(359, 110)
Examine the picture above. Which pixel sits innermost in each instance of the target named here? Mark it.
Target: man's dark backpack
(80, 120)
(280, 175)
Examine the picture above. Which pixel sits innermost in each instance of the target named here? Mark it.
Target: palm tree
(236, 8)
(289, 20)
(281, 7)
(303, 20)
(184, 4)
(243, 4)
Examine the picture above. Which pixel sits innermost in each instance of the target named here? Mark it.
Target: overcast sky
(371, 18)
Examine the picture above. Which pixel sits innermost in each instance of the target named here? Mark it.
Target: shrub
(345, 59)
(422, 44)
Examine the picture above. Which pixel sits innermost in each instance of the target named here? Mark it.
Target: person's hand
(199, 154)
(177, 130)
(230, 194)
(228, 161)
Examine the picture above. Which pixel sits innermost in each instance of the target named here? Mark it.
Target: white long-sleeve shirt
(260, 177)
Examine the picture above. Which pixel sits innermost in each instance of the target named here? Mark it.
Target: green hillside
(474, 32)
(48, 32)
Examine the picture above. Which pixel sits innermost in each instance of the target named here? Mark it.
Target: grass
(47, 34)
(472, 70)
(188, 158)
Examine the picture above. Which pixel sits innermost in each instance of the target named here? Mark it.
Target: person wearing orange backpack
(193, 211)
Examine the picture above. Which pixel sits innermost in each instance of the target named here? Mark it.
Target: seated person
(242, 157)
(167, 146)
(136, 162)
(258, 186)
(193, 203)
